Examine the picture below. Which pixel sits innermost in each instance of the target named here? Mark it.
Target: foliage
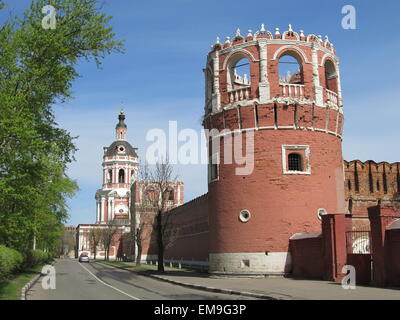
(37, 69)
(35, 258)
(11, 261)
(11, 289)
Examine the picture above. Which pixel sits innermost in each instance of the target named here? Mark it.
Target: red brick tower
(297, 126)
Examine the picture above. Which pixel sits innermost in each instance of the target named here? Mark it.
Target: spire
(121, 126)
(121, 118)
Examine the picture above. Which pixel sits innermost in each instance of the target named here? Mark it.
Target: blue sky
(160, 77)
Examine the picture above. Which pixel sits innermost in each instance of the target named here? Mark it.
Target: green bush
(11, 261)
(36, 258)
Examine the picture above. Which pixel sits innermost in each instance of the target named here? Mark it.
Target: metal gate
(358, 246)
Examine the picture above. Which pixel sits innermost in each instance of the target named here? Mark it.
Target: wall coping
(303, 235)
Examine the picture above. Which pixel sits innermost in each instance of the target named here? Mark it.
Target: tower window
(147, 196)
(296, 159)
(110, 176)
(295, 162)
(331, 76)
(239, 73)
(290, 68)
(150, 195)
(170, 195)
(213, 167)
(121, 176)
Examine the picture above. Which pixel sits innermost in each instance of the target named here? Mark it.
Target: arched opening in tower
(170, 194)
(330, 76)
(150, 195)
(121, 176)
(239, 73)
(110, 176)
(290, 68)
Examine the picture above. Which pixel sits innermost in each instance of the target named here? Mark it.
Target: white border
(242, 218)
(307, 160)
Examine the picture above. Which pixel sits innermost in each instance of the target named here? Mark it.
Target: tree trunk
(160, 267)
(160, 243)
(138, 238)
(139, 254)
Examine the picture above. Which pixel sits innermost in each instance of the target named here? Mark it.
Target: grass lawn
(125, 265)
(11, 289)
(140, 268)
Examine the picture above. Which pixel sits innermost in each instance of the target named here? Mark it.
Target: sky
(159, 77)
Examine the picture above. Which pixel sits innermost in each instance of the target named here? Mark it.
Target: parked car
(83, 258)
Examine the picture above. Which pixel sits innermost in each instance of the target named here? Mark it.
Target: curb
(200, 287)
(29, 285)
(212, 289)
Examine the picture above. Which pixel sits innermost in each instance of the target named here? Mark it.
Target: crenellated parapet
(370, 183)
(289, 34)
(309, 99)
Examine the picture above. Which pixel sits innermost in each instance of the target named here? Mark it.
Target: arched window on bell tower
(121, 176)
(170, 194)
(110, 176)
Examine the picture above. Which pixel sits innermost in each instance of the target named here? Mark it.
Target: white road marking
(106, 284)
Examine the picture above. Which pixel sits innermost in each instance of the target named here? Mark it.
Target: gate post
(334, 244)
(380, 217)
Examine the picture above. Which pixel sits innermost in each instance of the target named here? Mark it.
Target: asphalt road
(95, 281)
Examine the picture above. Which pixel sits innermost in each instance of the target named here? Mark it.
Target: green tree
(37, 69)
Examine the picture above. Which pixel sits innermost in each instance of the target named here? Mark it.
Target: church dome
(121, 148)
